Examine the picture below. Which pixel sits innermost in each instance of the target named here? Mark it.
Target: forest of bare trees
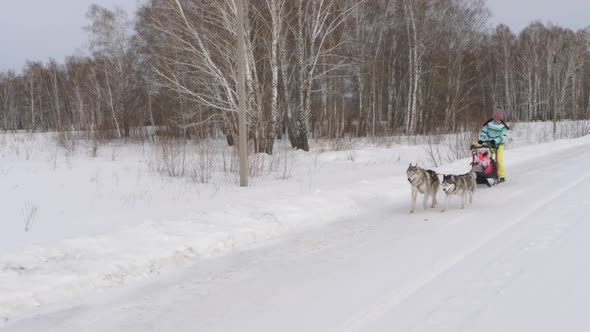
(314, 68)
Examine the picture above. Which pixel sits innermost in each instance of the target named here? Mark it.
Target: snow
(332, 248)
(108, 221)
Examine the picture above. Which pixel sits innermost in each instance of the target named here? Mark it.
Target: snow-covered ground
(115, 247)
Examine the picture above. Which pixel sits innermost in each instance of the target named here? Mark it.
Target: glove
(480, 142)
(493, 142)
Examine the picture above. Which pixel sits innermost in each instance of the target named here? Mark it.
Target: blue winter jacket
(494, 130)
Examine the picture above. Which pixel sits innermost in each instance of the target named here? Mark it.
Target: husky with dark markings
(462, 185)
(424, 181)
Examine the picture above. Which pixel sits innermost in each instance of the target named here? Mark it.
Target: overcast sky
(517, 14)
(40, 29)
(43, 29)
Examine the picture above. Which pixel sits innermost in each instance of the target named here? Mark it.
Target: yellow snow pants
(500, 159)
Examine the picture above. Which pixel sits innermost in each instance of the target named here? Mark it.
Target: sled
(488, 176)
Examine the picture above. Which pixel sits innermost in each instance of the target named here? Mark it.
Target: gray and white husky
(424, 181)
(463, 185)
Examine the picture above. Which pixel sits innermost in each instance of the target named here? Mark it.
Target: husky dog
(463, 185)
(424, 181)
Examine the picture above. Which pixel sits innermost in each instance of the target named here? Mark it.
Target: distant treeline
(315, 68)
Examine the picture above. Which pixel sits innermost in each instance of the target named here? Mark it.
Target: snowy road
(514, 261)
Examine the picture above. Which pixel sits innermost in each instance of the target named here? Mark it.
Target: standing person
(494, 131)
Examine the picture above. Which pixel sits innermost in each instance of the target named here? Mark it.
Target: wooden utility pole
(242, 130)
(554, 67)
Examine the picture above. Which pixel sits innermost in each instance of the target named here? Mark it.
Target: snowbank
(99, 219)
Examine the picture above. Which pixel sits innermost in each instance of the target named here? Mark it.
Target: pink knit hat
(498, 113)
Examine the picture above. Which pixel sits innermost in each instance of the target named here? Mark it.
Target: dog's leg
(435, 191)
(414, 196)
(470, 197)
(425, 201)
(446, 203)
(463, 199)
